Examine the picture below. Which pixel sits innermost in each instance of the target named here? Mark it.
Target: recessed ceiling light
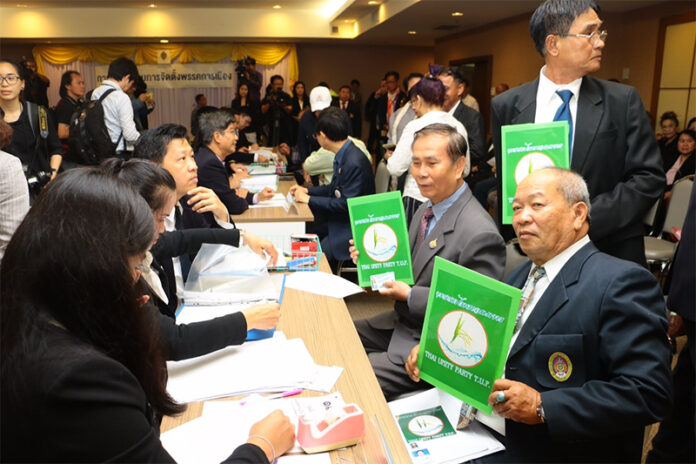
(412, 32)
(457, 13)
(152, 5)
(277, 7)
(21, 5)
(348, 20)
(373, 2)
(164, 41)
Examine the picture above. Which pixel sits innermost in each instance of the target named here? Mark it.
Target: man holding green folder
(452, 225)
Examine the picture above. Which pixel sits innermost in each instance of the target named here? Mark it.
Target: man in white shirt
(118, 109)
(469, 99)
(589, 363)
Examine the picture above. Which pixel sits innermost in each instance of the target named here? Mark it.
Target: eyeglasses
(594, 37)
(11, 79)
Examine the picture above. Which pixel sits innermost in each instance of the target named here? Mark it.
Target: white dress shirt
(14, 197)
(118, 115)
(548, 101)
(553, 268)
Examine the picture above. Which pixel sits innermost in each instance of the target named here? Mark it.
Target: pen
(250, 171)
(294, 392)
(282, 290)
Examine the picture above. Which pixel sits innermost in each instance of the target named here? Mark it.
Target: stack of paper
(426, 422)
(278, 201)
(255, 184)
(224, 425)
(272, 365)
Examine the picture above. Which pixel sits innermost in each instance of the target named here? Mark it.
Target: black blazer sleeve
(179, 242)
(240, 157)
(212, 174)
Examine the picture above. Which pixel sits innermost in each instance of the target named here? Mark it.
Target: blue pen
(250, 171)
(282, 289)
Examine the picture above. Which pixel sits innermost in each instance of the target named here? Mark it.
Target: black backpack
(89, 139)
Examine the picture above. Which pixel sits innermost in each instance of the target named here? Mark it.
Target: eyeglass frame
(591, 37)
(8, 77)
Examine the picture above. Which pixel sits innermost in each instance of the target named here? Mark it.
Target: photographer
(34, 139)
(247, 73)
(36, 85)
(277, 106)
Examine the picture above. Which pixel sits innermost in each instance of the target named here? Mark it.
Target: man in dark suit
(218, 134)
(350, 108)
(352, 177)
(613, 146)
(588, 364)
(458, 229)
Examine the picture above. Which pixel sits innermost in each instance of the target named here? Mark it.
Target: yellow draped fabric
(265, 54)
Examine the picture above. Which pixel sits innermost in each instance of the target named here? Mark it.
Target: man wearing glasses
(612, 145)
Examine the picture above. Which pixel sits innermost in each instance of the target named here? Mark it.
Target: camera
(37, 181)
(243, 67)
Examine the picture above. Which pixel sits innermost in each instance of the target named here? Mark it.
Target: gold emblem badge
(339, 170)
(433, 243)
(560, 366)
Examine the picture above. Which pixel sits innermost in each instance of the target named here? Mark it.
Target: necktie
(563, 114)
(425, 222)
(344, 105)
(184, 259)
(467, 413)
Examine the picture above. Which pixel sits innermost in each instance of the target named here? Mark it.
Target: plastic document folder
(426, 422)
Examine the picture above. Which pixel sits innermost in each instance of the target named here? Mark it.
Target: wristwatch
(540, 412)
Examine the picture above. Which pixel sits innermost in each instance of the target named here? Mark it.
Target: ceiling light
(152, 5)
(457, 13)
(412, 32)
(373, 2)
(164, 41)
(277, 7)
(348, 21)
(21, 5)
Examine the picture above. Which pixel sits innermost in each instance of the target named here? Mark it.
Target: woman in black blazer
(82, 372)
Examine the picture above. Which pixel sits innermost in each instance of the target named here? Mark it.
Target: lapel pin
(339, 170)
(433, 243)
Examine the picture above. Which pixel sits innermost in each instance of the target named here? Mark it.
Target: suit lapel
(525, 106)
(553, 298)
(590, 112)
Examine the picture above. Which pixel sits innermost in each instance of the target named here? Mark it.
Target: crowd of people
(101, 217)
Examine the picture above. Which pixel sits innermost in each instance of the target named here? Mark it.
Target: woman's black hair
(19, 69)
(70, 264)
(154, 183)
(65, 80)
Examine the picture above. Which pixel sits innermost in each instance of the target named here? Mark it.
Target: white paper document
(321, 283)
(278, 201)
(255, 184)
(437, 442)
(271, 365)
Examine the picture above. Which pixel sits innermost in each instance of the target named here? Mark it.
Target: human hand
(254, 147)
(397, 291)
(412, 364)
(262, 316)
(240, 170)
(284, 149)
(307, 177)
(243, 149)
(259, 245)
(301, 195)
(520, 404)
(266, 194)
(354, 253)
(388, 154)
(241, 193)
(204, 200)
(274, 434)
(262, 159)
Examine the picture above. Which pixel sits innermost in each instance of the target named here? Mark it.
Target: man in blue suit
(352, 177)
(588, 364)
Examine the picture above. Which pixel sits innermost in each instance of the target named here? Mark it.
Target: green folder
(378, 224)
(466, 333)
(526, 148)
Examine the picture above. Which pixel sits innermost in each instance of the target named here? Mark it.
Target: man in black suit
(218, 135)
(350, 108)
(613, 146)
(352, 177)
(588, 365)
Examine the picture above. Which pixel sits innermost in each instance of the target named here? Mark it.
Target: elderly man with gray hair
(588, 365)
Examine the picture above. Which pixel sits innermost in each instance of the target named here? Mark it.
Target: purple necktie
(425, 222)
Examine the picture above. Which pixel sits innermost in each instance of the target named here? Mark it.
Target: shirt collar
(547, 88)
(441, 208)
(555, 264)
(454, 108)
(112, 84)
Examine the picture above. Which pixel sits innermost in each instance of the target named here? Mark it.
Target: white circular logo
(425, 425)
(379, 242)
(462, 338)
(532, 162)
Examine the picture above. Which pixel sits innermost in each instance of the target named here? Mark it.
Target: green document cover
(526, 148)
(427, 424)
(466, 333)
(378, 224)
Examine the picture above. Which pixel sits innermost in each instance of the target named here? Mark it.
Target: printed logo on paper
(426, 425)
(531, 162)
(560, 366)
(379, 242)
(462, 338)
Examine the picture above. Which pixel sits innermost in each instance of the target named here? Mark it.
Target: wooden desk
(256, 220)
(329, 334)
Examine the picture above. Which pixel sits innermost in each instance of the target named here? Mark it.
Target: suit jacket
(177, 243)
(607, 316)
(352, 177)
(682, 296)
(684, 170)
(77, 404)
(353, 112)
(473, 123)
(465, 235)
(213, 174)
(614, 150)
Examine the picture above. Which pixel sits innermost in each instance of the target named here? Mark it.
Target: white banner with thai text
(180, 76)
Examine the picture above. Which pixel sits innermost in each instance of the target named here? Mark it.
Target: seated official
(589, 363)
(183, 341)
(218, 136)
(352, 177)
(82, 378)
(450, 224)
(320, 163)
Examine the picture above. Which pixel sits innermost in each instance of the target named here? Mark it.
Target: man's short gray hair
(456, 143)
(572, 186)
(215, 121)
